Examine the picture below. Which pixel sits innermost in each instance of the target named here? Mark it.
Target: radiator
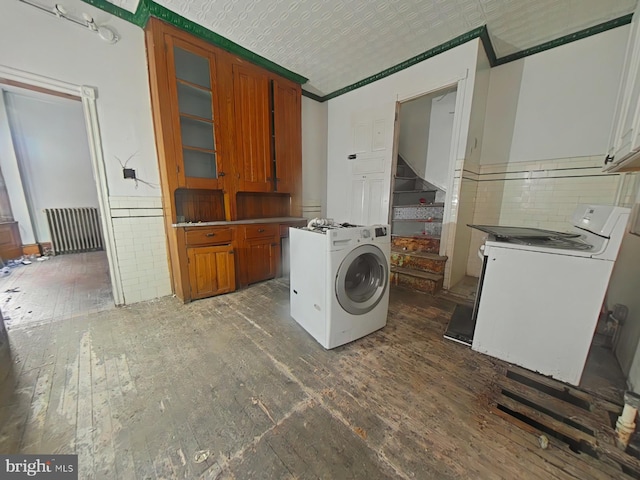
(74, 230)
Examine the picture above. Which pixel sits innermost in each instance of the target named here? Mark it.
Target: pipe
(626, 424)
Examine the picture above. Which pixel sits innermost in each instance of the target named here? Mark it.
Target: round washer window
(361, 279)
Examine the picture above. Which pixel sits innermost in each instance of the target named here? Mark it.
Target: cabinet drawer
(208, 236)
(260, 231)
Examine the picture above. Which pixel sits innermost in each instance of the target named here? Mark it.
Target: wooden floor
(232, 387)
(61, 287)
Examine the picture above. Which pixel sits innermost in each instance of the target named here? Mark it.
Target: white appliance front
(538, 307)
(339, 282)
(540, 311)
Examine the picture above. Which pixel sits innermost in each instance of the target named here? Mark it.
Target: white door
(370, 168)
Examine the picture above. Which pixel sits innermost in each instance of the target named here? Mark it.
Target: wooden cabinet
(287, 136)
(191, 113)
(260, 252)
(624, 143)
(10, 242)
(228, 136)
(211, 270)
(211, 261)
(252, 128)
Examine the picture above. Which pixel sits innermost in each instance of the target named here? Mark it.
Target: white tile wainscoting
(141, 247)
(539, 194)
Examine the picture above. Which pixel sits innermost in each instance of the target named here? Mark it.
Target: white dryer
(339, 281)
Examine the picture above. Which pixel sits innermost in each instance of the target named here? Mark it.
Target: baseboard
(31, 249)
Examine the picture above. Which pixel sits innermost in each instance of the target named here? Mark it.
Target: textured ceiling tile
(130, 5)
(338, 42)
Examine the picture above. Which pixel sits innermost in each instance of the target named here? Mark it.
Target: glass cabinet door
(196, 105)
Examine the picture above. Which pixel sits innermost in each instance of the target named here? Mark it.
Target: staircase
(415, 232)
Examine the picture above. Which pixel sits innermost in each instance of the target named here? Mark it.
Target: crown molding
(149, 8)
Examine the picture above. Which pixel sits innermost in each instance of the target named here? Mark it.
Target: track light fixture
(105, 33)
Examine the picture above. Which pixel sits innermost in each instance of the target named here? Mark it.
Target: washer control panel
(381, 231)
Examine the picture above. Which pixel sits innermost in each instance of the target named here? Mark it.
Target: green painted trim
(147, 8)
(139, 18)
(187, 25)
(312, 96)
(488, 47)
(572, 37)
(443, 47)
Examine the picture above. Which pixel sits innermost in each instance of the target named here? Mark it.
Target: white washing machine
(339, 280)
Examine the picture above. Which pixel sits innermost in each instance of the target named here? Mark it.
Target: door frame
(459, 83)
(87, 96)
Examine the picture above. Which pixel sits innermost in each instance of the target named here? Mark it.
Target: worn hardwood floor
(232, 387)
(61, 287)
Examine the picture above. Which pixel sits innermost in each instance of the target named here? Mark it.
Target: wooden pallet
(565, 415)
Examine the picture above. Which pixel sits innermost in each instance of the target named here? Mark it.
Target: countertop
(240, 222)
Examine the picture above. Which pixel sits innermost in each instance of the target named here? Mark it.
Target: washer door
(361, 279)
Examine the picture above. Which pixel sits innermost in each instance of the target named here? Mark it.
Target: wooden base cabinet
(211, 270)
(260, 252)
(10, 242)
(210, 261)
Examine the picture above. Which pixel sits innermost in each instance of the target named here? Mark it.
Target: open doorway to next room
(421, 183)
(51, 245)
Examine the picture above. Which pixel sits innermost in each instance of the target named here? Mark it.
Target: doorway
(51, 186)
(421, 183)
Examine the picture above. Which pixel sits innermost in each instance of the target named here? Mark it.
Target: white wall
(42, 44)
(377, 100)
(9, 167)
(624, 287)
(440, 131)
(467, 192)
(413, 144)
(555, 104)
(546, 128)
(314, 158)
(50, 139)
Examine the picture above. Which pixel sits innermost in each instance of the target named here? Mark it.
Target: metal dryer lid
(507, 232)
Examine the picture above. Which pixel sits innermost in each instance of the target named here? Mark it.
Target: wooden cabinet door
(625, 134)
(252, 129)
(262, 256)
(195, 115)
(287, 136)
(211, 270)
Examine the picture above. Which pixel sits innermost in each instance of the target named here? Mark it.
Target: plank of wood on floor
(586, 418)
(548, 421)
(598, 403)
(84, 425)
(579, 466)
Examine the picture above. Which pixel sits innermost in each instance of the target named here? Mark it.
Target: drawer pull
(261, 230)
(210, 235)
